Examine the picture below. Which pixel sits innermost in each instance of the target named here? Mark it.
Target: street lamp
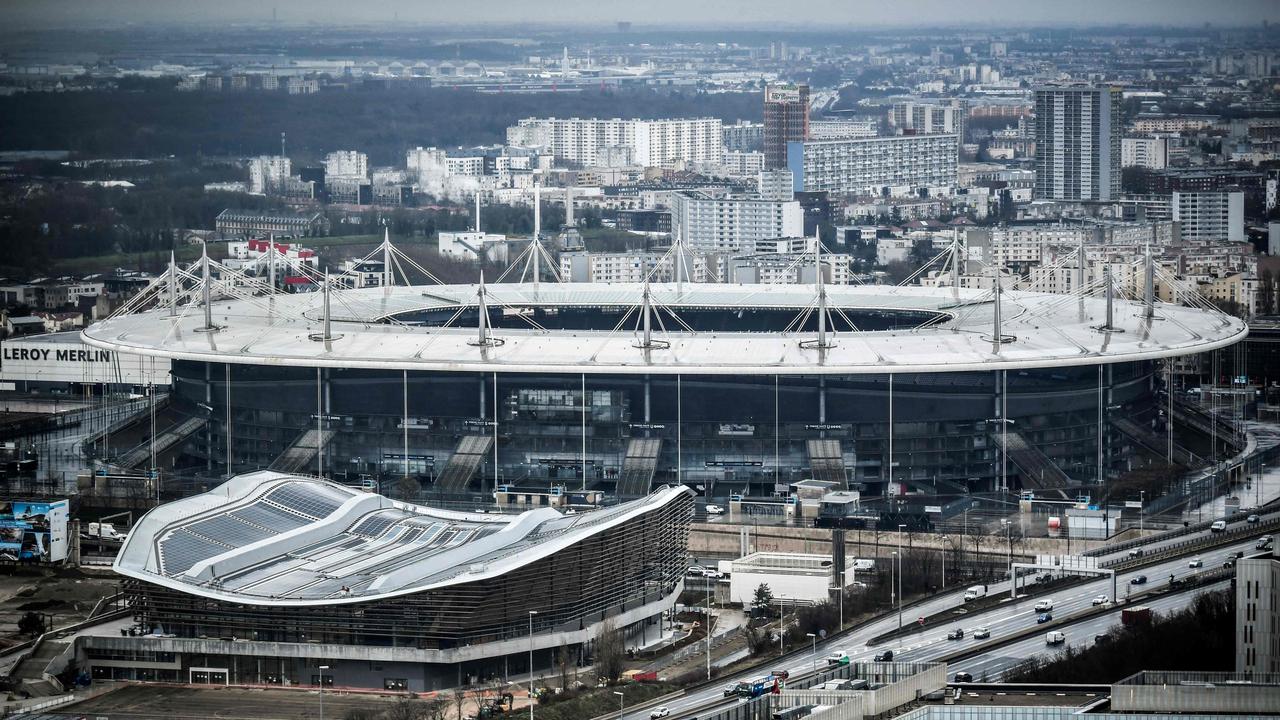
(814, 653)
(621, 700)
(901, 527)
(1142, 509)
(1008, 533)
(708, 618)
(322, 669)
(531, 614)
(944, 562)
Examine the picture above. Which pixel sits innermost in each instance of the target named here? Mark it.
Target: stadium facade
(731, 389)
(270, 575)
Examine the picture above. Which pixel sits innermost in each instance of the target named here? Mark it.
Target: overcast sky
(691, 13)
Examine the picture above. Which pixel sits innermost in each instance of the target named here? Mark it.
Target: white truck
(974, 592)
(104, 531)
(1054, 637)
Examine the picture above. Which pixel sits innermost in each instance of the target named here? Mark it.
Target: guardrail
(1213, 540)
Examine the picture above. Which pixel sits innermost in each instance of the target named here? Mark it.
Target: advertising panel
(34, 530)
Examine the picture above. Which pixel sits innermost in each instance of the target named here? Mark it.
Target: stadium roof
(273, 538)
(1048, 330)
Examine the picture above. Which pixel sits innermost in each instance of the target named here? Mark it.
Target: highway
(989, 666)
(1004, 619)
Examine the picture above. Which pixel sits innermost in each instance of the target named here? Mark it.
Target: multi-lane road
(1004, 619)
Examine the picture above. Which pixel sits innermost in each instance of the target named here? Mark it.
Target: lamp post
(944, 562)
(531, 614)
(322, 669)
(839, 588)
(1004, 450)
(709, 630)
(1142, 510)
(813, 656)
(901, 527)
(621, 700)
(1008, 533)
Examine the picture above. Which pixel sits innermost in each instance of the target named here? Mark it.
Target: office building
(732, 223)
(1210, 217)
(786, 120)
(840, 129)
(743, 136)
(1077, 143)
(869, 166)
(928, 118)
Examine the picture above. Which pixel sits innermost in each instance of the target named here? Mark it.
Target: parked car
(1044, 605)
(981, 633)
(963, 677)
(660, 712)
(886, 656)
(1101, 600)
(1138, 580)
(1044, 618)
(957, 634)
(1195, 563)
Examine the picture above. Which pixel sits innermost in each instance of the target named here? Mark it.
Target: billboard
(63, 358)
(34, 530)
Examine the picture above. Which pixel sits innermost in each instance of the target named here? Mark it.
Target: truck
(974, 592)
(104, 531)
(1139, 615)
(839, 657)
(1054, 637)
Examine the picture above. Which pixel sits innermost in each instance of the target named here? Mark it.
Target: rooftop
(271, 538)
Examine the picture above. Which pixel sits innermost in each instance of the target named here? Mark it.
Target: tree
(609, 651)
(562, 664)
(458, 698)
(762, 601)
(31, 624)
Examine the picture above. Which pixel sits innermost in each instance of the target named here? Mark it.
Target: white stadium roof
(1050, 330)
(274, 538)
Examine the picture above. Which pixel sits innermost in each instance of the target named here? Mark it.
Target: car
(1218, 526)
(1138, 580)
(1137, 552)
(1263, 543)
(712, 573)
(1043, 618)
(1229, 563)
(1044, 605)
(1195, 563)
(731, 689)
(1254, 518)
(957, 634)
(1101, 638)
(1101, 600)
(782, 674)
(660, 712)
(981, 633)
(963, 677)
(715, 510)
(886, 656)
(695, 570)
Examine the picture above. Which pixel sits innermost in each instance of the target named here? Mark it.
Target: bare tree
(458, 696)
(562, 664)
(609, 651)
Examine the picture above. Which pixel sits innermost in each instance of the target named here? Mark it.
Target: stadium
(733, 390)
(270, 575)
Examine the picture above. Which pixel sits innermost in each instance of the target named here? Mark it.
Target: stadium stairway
(464, 463)
(638, 466)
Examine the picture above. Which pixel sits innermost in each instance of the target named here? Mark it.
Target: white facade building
(1258, 614)
(866, 166)
(471, 245)
(732, 223)
(650, 143)
(1149, 152)
(346, 164)
(268, 173)
(1210, 216)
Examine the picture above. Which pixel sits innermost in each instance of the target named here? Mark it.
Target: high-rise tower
(786, 119)
(1077, 143)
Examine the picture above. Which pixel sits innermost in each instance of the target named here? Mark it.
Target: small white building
(791, 577)
(471, 245)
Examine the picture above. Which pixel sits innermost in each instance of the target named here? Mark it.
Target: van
(1054, 637)
(975, 592)
(1218, 526)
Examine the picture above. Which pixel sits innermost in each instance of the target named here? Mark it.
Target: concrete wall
(1167, 698)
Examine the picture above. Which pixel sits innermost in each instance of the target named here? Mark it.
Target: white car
(695, 570)
(660, 712)
(1101, 600)
(1196, 563)
(715, 510)
(712, 573)
(981, 633)
(1044, 606)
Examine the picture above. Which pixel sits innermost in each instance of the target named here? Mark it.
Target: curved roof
(1049, 330)
(273, 538)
